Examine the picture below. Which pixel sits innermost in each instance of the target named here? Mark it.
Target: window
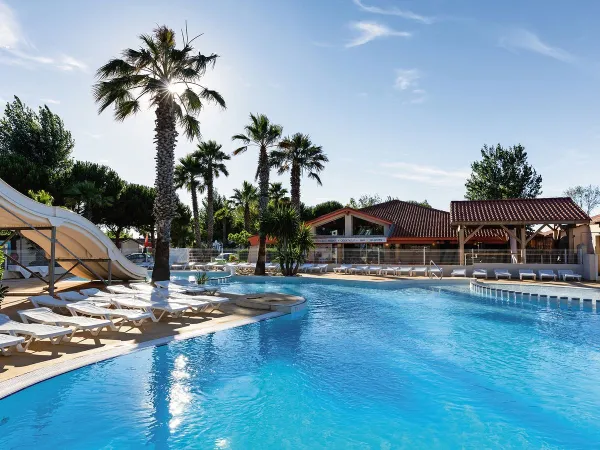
(334, 228)
(361, 227)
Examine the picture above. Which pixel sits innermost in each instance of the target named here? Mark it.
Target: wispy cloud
(368, 31)
(15, 50)
(92, 135)
(426, 174)
(520, 39)
(408, 80)
(405, 14)
(50, 101)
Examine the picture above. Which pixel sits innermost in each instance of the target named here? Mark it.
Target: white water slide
(80, 246)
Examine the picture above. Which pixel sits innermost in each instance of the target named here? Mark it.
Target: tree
(182, 234)
(293, 238)
(210, 157)
(278, 194)
(365, 201)
(587, 197)
(187, 175)
(424, 203)
(41, 196)
(244, 198)
(503, 173)
(85, 196)
(131, 209)
(322, 209)
(224, 215)
(35, 148)
(265, 135)
(240, 239)
(170, 78)
(298, 155)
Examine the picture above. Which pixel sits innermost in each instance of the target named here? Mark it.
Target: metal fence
(404, 256)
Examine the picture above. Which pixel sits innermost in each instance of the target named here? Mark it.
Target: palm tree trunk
(164, 204)
(263, 202)
(224, 231)
(295, 186)
(210, 211)
(118, 237)
(197, 234)
(247, 217)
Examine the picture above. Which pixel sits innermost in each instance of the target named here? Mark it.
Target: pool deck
(43, 360)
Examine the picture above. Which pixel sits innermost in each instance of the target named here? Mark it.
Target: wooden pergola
(515, 216)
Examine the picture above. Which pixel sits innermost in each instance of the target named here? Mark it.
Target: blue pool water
(366, 366)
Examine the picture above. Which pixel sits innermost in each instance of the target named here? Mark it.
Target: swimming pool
(365, 366)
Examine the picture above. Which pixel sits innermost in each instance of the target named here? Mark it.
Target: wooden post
(52, 263)
(461, 245)
(523, 245)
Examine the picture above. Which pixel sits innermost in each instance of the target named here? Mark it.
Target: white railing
(433, 273)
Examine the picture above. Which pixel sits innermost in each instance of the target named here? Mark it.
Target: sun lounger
(305, 267)
(502, 273)
(320, 268)
(47, 317)
(342, 269)
(177, 266)
(388, 270)
(197, 303)
(32, 331)
(404, 270)
(358, 269)
(419, 271)
(480, 273)
(566, 275)
(7, 341)
(71, 296)
(162, 307)
(95, 293)
(376, 269)
(458, 273)
(128, 315)
(546, 273)
(527, 273)
(47, 300)
(121, 290)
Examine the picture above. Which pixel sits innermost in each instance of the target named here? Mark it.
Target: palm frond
(240, 150)
(124, 109)
(115, 67)
(213, 96)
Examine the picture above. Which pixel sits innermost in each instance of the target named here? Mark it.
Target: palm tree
(298, 155)
(224, 214)
(244, 198)
(210, 157)
(277, 194)
(264, 135)
(169, 77)
(85, 196)
(187, 175)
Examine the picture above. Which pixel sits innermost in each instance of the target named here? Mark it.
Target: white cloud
(426, 174)
(395, 12)
(369, 31)
(50, 101)
(520, 39)
(92, 135)
(16, 51)
(408, 80)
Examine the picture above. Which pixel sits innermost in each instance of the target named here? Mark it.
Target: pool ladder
(435, 274)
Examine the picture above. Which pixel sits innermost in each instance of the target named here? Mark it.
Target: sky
(401, 95)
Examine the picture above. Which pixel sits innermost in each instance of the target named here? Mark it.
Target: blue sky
(400, 94)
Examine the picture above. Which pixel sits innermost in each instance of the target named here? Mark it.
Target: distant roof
(410, 220)
(560, 210)
(348, 210)
(596, 218)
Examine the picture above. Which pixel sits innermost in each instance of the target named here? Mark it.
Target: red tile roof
(561, 210)
(596, 218)
(410, 221)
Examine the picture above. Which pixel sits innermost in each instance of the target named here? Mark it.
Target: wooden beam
(461, 245)
(511, 233)
(473, 233)
(537, 232)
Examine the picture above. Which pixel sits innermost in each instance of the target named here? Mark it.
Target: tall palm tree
(210, 157)
(244, 198)
(169, 78)
(85, 196)
(263, 134)
(187, 175)
(299, 155)
(225, 214)
(277, 194)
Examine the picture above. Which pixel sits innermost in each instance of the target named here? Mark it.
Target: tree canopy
(503, 173)
(587, 197)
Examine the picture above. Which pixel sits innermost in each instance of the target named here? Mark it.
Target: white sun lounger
(546, 273)
(47, 300)
(71, 296)
(32, 331)
(321, 268)
(480, 273)
(376, 269)
(388, 270)
(160, 308)
(404, 269)
(305, 267)
(358, 269)
(502, 273)
(458, 273)
(121, 290)
(566, 275)
(93, 293)
(342, 269)
(128, 315)
(527, 273)
(422, 271)
(47, 317)
(197, 303)
(7, 341)
(182, 286)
